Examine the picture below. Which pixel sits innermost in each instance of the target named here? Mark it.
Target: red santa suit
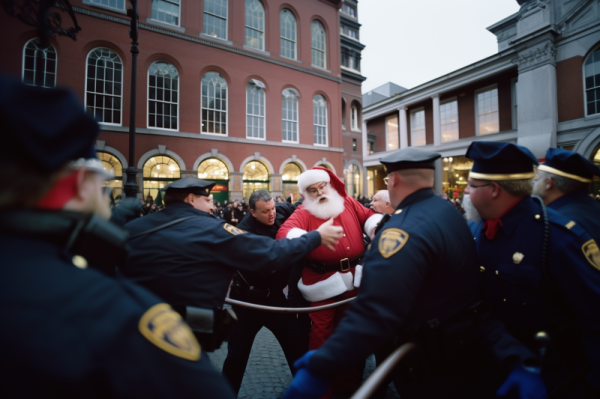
(332, 286)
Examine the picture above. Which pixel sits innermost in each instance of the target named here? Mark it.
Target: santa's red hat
(319, 174)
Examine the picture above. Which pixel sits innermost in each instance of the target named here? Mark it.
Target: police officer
(563, 182)
(420, 283)
(70, 331)
(264, 219)
(240, 212)
(541, 269)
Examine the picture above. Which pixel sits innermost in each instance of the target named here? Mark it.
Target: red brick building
(245, 92)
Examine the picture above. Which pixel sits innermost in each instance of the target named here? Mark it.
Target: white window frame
(219, 17)
(354, 122)
(597, 114)
(297, 121)
(35, 64)
(148, 100)
(324, 51)
(281, 37)
(412, 126)
(261, 85)
(446, 101)
(168, 23)
(98, 3)
(226, 108)
(477, 92)
(122, 83)
(263, 31)
(387, 143)
(326, 126)
(514, 105)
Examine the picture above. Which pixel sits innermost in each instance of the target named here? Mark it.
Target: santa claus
(332, 274)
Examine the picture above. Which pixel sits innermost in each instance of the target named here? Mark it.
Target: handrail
(380, 374)
(273, 309)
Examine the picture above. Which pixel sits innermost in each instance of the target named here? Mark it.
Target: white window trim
(477, 92)
(55, 67)
(597, 114)
(297, 113)
(264, 30)
(387, 148)
(148, 102)
(122, 84)
(326, 125)
(285, 38)
(414, 111)
(353, 128)
(226, 111)
(513, 102)
(254, 82)
(324, 67)
(446, 101)
(166, 23)
(94, 4)
(216, 16)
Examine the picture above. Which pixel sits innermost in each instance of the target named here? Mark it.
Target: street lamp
(131, 186)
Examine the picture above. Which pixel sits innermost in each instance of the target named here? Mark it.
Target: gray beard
(470, 210)
(332, 208)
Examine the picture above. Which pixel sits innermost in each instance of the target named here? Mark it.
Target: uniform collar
(565, 199)
(517, 214)
(187, 207)
(417, 196)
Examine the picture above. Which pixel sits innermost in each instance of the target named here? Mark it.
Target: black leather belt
(343, 266)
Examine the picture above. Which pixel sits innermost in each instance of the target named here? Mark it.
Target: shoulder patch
(165, 328)
(232, 229)
(591, 252)
(392, 241)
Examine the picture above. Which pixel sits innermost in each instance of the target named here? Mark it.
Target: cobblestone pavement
(267, 374)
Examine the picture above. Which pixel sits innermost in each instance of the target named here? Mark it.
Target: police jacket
(191, 263)
(582, 209)
(422, 265)
(71, 332)
(559, 295)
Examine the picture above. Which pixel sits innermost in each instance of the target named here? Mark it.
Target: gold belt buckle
(342, 264)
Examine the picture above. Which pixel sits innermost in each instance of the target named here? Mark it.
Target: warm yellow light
(158, 167)
(450, 159)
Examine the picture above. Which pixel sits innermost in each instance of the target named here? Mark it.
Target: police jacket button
(537, 216)
(481, 269)
(504, 299)
(80, 262)
(496, 272)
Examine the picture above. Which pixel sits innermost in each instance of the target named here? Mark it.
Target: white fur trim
(334, 285)
(295, 233)
(348, 278)
(311, 177)
(358, 275)
(371, 223)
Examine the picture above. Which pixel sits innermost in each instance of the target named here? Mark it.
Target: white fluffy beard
(331, 208)
(470, 210)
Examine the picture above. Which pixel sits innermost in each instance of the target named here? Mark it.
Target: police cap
(501, 161)
(46, 128)
(410, 158)
(190, 185)
(569, 164)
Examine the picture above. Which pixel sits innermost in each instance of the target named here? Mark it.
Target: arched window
(215, 18)
(214, 104)
(255, 110)
(163, 89)
(592, 83)
(159, 171)
(318, 44)
(343, 113)
(104, 88)
(256, 177)
(291, 172)
(39, 64)
(113, 165)
(320, 120)
(354, 118)
(287, 27)
(353, 180)
(214, 169)
(255, 25)
(289, 101)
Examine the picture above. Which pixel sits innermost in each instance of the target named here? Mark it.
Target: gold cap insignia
(165, 328)
(232, 229)
(518, 257)
(592, 254)
(392, 241)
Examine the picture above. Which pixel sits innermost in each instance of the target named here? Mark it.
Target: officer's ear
(189, 199)
(495, 190)
(550, 183)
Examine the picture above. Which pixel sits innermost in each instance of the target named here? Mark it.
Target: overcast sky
(410, 42)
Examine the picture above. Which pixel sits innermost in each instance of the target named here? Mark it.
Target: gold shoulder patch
(232, 229)
(570, 225)
(165, 328)
(591, 252)
(392, 241)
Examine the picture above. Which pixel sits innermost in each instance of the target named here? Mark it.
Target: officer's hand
(528, 384)
(330, 234)
(305, 384)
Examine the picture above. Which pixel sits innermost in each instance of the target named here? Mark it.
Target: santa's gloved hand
(306, 385)
(526, 381)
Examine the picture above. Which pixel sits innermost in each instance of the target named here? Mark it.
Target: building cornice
(348, 20)
(347, 41)
(352, 74)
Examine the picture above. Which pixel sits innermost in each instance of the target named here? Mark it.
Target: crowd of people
(106, 303)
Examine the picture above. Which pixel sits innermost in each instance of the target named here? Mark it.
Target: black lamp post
(131, 186)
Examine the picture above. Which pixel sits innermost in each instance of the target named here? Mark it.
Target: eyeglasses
(313, 190)
(483, 185)
(386, 179)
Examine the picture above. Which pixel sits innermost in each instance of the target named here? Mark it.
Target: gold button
(481, 269)
(344, 235)
(398, 211)
(80, 262)
(496, 272)
(504, 299)
(348, 248)
(537, 216)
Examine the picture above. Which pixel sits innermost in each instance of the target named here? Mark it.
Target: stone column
(403, 127)
(437, 122)
(438, 186)
(365, 146)
(276, 185)
(236, 185)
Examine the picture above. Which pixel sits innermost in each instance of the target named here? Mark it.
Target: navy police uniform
(70, 331)
(421, 267)
(558, 292)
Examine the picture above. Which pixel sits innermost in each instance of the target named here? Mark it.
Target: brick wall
(569, 85)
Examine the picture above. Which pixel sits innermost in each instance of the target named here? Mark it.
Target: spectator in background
(381, 202)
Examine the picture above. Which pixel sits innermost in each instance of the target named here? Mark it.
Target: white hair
(384, 195)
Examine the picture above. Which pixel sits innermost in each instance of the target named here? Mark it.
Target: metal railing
(273, 309)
